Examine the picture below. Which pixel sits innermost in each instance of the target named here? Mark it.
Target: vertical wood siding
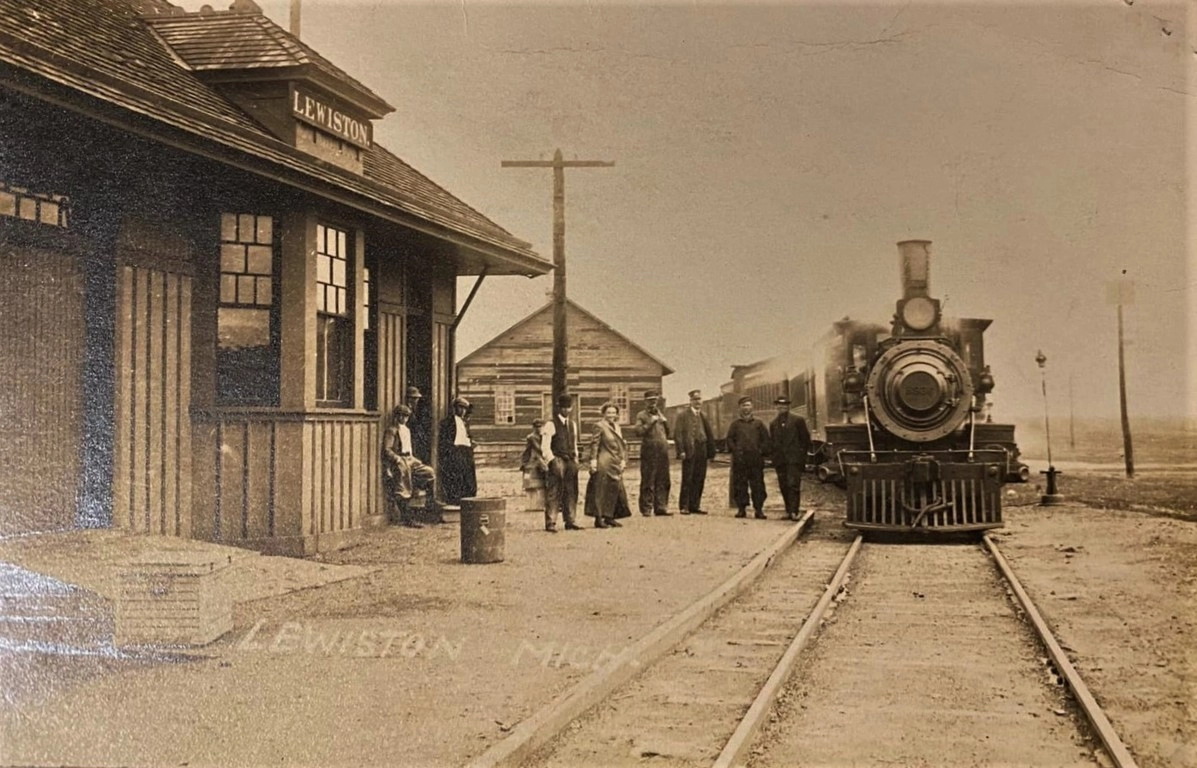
(392, 369)
(151, 486)
(41, 310)
(284, 475)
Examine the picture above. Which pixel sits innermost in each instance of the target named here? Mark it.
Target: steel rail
(1097, 718)
(550, 720)
(737, 746)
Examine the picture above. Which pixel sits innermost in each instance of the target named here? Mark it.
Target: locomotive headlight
(919, 313)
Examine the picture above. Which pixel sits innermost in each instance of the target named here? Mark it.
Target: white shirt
(461, 437)
(404, 439)
(546, 439)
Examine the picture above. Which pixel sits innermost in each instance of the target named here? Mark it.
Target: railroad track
(929, 662)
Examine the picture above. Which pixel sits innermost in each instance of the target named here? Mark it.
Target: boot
(742, 513)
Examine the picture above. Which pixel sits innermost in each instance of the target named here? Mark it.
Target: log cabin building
(214, 283)
(508, 380)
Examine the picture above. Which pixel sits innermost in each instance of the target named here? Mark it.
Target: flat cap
(459, 400)
(652, 394)
(783, 400)
(744, 399)
(402, 410)
(694, 393)
(537, 423)
(414, 392)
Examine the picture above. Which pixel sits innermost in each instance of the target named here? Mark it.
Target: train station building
(214, 282)
(508, 380)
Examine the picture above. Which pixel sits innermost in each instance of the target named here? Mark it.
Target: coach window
(247, 359)
(334, 318)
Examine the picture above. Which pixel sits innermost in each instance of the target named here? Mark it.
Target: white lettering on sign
(315, 112)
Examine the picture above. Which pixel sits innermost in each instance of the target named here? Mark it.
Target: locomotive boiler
(913, 450)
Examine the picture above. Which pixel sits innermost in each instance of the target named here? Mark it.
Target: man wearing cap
(563, 469)
(695, 447)
(653, 430)
(748, 443)
(534, 461)
(403, 473)
(456, 449)
(790, 442)
(421, 445)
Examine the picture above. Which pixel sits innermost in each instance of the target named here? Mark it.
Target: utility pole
(1123, 292)
(1071, 416)
(560, 354)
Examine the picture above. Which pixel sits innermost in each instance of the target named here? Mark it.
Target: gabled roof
(232, 42)
(665, 369)
(101, 58)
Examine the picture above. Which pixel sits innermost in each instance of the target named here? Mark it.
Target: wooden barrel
(483, 522)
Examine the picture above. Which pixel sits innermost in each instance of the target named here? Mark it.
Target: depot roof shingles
(143, 58)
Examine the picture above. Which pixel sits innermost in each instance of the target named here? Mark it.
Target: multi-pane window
(619, 396)
(334, 318)
(21, 203)
(247, 324)
(505, 405)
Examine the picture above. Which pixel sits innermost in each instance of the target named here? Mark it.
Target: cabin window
(39, 207)
(504, 405)
(334, 318)
(247, 360)
(619, 396)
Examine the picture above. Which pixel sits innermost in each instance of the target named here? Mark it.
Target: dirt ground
(423, 661)
(1118, 588)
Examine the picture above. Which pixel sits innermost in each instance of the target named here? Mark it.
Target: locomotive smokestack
(915, 258)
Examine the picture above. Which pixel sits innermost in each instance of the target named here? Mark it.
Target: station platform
(415, 659)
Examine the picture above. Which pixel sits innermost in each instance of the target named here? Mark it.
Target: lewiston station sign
(317, 112)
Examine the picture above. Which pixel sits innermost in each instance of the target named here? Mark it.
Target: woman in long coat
(606, 497)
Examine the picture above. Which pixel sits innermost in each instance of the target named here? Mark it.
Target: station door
(42, 338)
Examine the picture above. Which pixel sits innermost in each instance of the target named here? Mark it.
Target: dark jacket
(791, 441)
(650, 428)
(691, 431)
(564, 444)
(748, 440)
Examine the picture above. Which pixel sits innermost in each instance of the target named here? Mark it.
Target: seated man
(404, 474)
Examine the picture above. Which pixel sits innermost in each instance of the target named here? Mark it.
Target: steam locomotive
(899, 414)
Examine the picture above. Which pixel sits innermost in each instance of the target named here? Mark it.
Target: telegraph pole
(1123, 292)
(1071, 416)
(560, 354)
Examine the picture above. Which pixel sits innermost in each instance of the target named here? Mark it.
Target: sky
(769, 156)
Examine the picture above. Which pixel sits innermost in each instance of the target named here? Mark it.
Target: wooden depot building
(508, 380)
(214, 283)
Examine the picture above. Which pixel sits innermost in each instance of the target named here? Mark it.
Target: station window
(22, 203)
(505, 405)
(619, 396)
(334, 318)
(247, 360)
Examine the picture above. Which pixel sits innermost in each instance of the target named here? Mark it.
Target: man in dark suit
(563, 469)
(459, 479)
(695, 447)
(790, 440)
(748, 443)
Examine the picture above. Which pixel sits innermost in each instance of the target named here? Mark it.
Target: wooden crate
(174, 598)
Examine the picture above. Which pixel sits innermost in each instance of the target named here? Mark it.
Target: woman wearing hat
(606, 497)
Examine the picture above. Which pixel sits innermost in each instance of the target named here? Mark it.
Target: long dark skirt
(606, 497)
